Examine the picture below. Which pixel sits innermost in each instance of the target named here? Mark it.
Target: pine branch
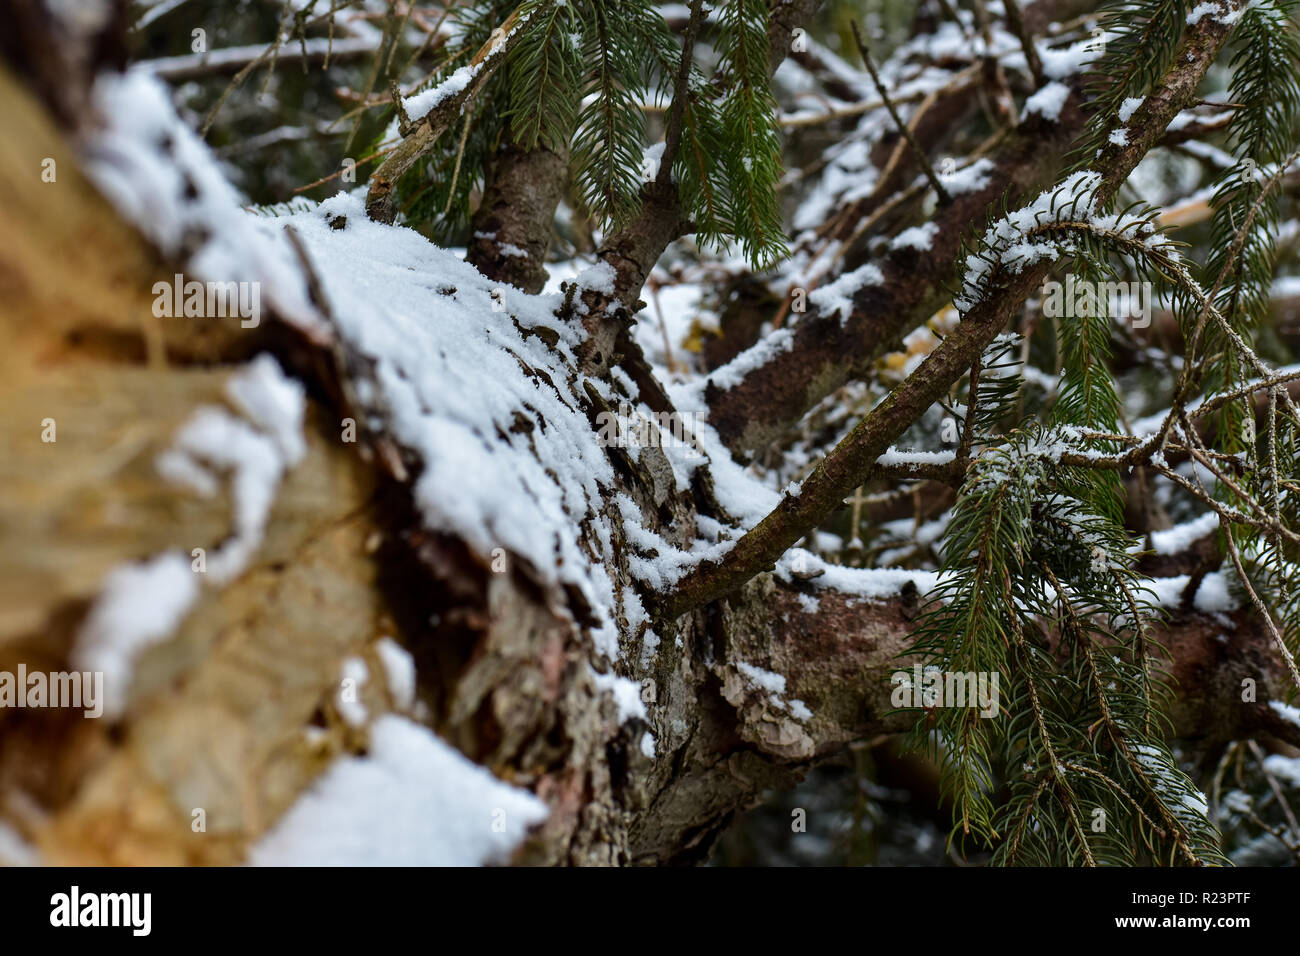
(448, 109)
(544, 77)
(852, 460)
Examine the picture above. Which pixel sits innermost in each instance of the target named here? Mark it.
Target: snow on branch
(1009, 267)
(437, 108)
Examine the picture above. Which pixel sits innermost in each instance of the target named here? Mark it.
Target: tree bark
(235, 714)
(512, 226)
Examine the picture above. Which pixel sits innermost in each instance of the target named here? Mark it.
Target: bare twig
(903, 128)
(1016, 21)
(681, 91)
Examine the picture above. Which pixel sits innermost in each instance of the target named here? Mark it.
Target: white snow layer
(1129, 107)
(970, 178)
(448, 345)
(462, 377)
(413, 800)
(838, 295)
(15, 851)
(773, 685)
(256, 458)
(1048, 101)
(1182, 536)
(348, 700)
(138, 605)
(917, 237)
(164, 180)
(419, 105)
(399, 671)
(462, 380)
(626, 694)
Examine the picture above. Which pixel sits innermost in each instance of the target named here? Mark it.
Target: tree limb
(850, 462)
(379, 203)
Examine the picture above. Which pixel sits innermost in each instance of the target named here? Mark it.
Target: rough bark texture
(512, 225)
(830, 350)
(235, 712)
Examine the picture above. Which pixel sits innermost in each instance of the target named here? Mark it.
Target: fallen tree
(379, 527)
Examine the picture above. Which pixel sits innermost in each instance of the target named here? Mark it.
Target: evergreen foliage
(1138, 40)
(579, 77)
(1266, 84)
(1039, 584)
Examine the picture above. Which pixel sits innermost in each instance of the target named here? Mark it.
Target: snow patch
(918, 237)
(14, 850)
(1047, 102)
(1129, 107)
(970, 178)
(1211, 596)
(838, 295)
(1181, 537)
(138, 606)
(399, 672)
(255, 458)
(773, 685)
(164, 180)
(413, 800)
(626, 694)
(354, 676)
(759, 354)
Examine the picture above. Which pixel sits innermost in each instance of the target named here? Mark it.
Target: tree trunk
(237, 712)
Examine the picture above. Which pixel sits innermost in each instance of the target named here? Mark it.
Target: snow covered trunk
(370, 570)
(220, 546)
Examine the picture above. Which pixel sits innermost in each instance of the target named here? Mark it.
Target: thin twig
(681, 91)
(1278, 640)
(903, 128)
(1016, 21)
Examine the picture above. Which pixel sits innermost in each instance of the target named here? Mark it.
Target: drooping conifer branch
(850, 462)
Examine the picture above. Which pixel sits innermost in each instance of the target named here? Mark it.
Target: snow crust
(413, 800)
(1048, 101)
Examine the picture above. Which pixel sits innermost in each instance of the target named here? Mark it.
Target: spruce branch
(1054, 765)
(681, 93)
(1183, 839)
(379, 203)
(851, 462)
(1234, 553)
